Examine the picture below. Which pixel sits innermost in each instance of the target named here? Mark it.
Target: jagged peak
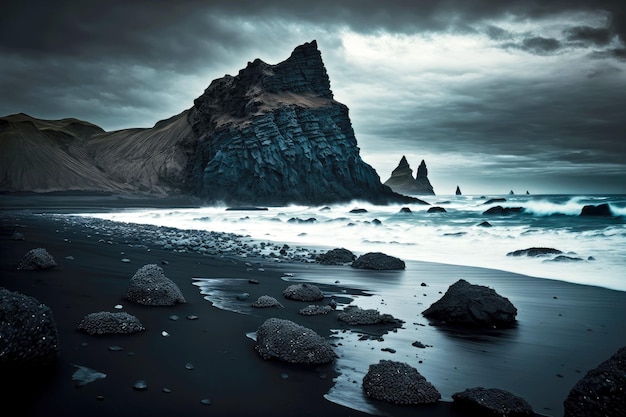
(422, 171)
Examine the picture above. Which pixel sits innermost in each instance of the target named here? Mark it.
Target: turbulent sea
(594, 248)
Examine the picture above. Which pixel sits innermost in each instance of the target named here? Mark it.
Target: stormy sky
(494, 95)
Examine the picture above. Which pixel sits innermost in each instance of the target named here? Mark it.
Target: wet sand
(556, 341)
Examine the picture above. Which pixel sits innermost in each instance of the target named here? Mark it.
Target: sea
(562, 330)
(593, 247)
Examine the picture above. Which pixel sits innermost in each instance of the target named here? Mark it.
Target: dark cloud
(541, 45)
(129, 64)
(588, 34)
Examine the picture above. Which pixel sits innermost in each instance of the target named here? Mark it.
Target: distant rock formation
(458, 190)
(271, 135)
(599, 210)
(402, 181)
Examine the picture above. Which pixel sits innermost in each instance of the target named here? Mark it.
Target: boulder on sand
(37, 258)
(266, 301)
(104, 322)
(355, 315)
(492, 402)
(472, 305)
(29, 337)
(339, 256)
(378, 261)
(290, 342)
(303, 292)
(601, 392)
(398, 383)
(150, 286)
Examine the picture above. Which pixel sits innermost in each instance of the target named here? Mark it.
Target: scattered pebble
(126, 260)
(164, 333)
(174, 317)
(166, 390)
(140, 385)
(189, 366)
(119, 306)
(115, 348)
(206, 401)
(192, 317)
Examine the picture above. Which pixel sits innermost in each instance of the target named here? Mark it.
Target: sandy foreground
(564, 330)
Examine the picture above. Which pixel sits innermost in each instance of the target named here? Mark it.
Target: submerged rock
(492, 402)
(110, 323)
(37, 258)
(599, 210)
(378, 261)
(150, 286)
(339, 256)
(266, 301)
(28, 333)
(601, 392)
(398, 383)
(503, 211)
(355, 315)
(436, 209)
(303, 292)
(535, 251)
(290, 342)
(472, 305)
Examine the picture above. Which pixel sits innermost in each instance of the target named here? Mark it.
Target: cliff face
(402, 181)
(274, 134)
(271, 135)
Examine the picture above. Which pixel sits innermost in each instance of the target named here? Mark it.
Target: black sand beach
(564, 330)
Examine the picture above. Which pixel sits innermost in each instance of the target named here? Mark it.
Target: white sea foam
(453, 237)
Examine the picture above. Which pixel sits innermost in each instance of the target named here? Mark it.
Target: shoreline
(74, 289)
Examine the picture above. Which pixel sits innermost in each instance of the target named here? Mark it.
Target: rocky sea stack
(270, 135)
(402, 181)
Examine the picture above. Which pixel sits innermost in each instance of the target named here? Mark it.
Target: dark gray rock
(436, 210)
(402, 181)
(104, 322)
(534, 252)
(503, 211)
(339, 256)
(599, 210)
(303, 292)
(565, 258)
(495, 200)
(601, 392)
(290, 342)
(266, 301)
(485, 224)
(458, 191)
(315, 310)
(150, 286)
(379, 261)
(355, 315)
(37, 258)
(28, 333)
(398, 383)
(472, 305)
(492, 402)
